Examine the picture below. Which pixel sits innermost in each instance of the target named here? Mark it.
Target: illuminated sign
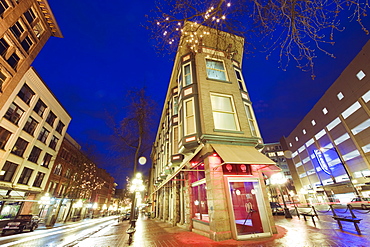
(322, 162)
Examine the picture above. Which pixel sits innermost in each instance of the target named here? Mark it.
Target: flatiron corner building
(207, 174)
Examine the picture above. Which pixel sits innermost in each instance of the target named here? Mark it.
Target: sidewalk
(291, 232)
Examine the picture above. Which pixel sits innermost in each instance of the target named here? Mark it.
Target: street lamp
(136, 187)
(278, 179)
(334, 148)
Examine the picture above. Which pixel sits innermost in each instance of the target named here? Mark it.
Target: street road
(84, 233)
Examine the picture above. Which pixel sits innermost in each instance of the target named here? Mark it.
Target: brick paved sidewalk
(292, 233)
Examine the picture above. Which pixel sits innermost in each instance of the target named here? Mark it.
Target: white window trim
(218, 60)
(233, 108)
(183, 74)
(242, 79)
(185, 117)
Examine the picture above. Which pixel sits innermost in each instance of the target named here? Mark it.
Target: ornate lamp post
(278, 180)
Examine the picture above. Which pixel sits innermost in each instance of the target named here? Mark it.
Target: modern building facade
(207, 173)
(330, 147)
(32, 125)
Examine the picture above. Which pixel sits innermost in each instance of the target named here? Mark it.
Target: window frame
(30, 126)
(50, 119)
(190, 117)
(34, 157)
(11, 169)
(251, 120)
(234, 113)
(4, 137)
(20, 147)
(189, 75)
(43, 135)
(53, 142)
(25, 176)
(38, 107)
(26, 94)
(38, 179)
(214, 69)
(46, 160)
(241, 83)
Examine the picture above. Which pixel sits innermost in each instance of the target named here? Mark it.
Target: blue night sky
(106, 51)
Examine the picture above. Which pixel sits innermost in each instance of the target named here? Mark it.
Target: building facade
(25, 27)
(207, 174)
(330, 147)
(76, 188)
(32, 126)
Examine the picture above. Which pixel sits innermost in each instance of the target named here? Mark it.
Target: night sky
(106, 51)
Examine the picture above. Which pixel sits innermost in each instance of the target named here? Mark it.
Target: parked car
(276, 208)
(360, 203)
(21, 223)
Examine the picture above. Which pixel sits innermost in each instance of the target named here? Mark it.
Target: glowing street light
(278, 179)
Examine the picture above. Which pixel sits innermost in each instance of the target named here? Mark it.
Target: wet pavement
(295, 232)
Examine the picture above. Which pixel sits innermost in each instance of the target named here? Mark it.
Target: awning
(233, 154)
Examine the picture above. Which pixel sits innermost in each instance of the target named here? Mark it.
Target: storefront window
(200, 207)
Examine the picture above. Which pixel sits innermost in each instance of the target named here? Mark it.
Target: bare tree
(296, 29)
(133, 135)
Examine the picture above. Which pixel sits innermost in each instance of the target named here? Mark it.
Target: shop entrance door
(248, 213)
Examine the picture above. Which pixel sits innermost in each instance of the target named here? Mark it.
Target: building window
(68, 173)
(340, 96)
(38, 180)
(30, 15)
(304, 131)
(25, 176)
(58, 169)
(3, 47)
(35, 154)
(366, 96)
(30, 126)
(46, 160)
(360, 75)
(320, 134)
(313, 122)
(333, 124)
(296, 139)
(53, 143)
(26, 94)
(187, 74)
(60, 127)
(179, 79)
(26, 43)
(4, 137)
(43, 135)
(13, 60)
(175, 105)
(366, 148)
(224, 116)
(17, 29)
(19, 147)
(8, 171)
(189, 126)
(51, 118)
(350, 110)
(175, 143)
(3, 78)
(240, 79)
(199, 202)
(251, 121)
(364, 125)
(216, 70)
(325, 111)
(341, 139)
(3, 6)
(39, 107)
